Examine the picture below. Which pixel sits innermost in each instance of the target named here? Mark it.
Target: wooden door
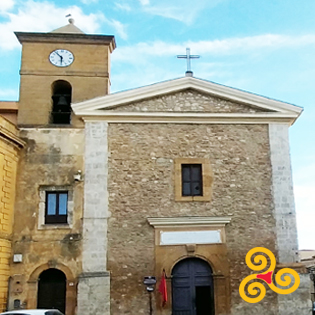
(52, 290)
(192, 288)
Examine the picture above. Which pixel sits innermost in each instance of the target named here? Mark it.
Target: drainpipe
(8, 293)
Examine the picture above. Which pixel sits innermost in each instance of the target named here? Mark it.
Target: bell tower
(58, 68)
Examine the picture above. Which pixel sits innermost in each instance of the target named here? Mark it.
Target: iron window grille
(192, 180)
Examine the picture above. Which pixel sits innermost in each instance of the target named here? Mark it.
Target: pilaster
(282, 185)
(94, 289)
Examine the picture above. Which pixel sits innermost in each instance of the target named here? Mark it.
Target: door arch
(192, 288)
(52, 290)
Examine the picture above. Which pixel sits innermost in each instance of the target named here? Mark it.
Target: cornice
(188, 221)
(62, 72)
(11, 138)
(121, 98)
(73, 38)
(187, 118)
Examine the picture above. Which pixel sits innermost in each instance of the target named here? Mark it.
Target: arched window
(61, 96)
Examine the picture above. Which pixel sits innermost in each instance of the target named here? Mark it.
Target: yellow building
(9, 149)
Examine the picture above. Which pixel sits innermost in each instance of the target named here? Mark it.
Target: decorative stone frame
(167, 256)
(207, 179)
(42, 206)
(71, 286)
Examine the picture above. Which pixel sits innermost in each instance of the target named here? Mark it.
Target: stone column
(94, 282)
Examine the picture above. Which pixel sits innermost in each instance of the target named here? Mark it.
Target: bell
(62, 101)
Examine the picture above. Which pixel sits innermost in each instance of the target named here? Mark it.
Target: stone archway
(71, 286)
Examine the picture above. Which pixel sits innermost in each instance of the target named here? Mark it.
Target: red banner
(163, 289)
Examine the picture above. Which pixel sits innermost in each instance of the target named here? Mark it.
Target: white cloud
(182, 10)
(144, 2)
(6, 5)
(122, 6)
(8, 94)
(231, 46)
(139, 60)
(34, 16)
(118, 27)
(89, 1)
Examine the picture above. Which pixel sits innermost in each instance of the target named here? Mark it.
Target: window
(193, 179)
(56, 207)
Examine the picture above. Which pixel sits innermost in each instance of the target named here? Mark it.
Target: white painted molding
(188, 221)
(121, 98)
(188, 118)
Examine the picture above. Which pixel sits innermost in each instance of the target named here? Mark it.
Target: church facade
(180, 178)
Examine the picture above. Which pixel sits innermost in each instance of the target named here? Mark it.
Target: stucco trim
(188, 221)
(12, 138)
(187, 118)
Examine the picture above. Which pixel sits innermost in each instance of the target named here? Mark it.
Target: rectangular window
(191, 179)
(56, 207)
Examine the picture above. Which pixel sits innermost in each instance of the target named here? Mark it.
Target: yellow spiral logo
(261, 263)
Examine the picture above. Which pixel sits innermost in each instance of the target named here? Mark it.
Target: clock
(61, 58)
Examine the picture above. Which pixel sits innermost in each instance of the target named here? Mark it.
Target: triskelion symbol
(261, 262)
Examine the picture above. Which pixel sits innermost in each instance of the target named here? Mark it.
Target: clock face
(61, 58)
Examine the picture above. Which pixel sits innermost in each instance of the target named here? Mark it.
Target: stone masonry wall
(141, 185)
(188, 101)
(50, 159)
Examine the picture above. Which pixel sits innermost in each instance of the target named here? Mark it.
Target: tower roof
(68, 29)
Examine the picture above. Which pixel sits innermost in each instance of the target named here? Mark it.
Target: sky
(265, 47)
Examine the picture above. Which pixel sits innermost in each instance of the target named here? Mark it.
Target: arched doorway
(52, 290)
(192, 288)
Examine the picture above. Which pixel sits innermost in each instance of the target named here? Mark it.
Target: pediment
(187, 97)
(188, 101)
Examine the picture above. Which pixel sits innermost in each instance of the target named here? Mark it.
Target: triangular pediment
(187, 97)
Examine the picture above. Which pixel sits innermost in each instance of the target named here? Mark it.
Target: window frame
(191, 181)
(41, 225)
(207, 179)
(57, 218)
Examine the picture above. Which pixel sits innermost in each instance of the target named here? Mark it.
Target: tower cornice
(72, 38)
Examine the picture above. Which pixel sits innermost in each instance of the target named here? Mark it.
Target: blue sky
(265, 47)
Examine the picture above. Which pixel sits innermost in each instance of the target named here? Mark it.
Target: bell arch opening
(192, 288)
(61, 102)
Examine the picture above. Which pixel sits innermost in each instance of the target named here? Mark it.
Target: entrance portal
(192, 288)
(52, 290)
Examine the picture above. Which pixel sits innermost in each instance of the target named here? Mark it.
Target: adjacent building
(10, 145)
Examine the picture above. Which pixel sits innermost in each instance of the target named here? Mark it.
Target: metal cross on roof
(188, 56)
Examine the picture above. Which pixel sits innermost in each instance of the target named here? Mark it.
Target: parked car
(33, 312)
